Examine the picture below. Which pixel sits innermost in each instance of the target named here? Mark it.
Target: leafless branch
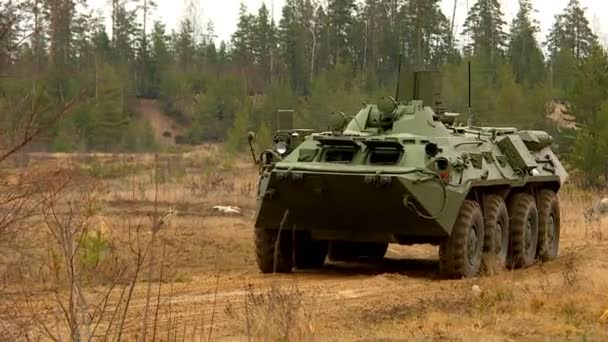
(34, 129)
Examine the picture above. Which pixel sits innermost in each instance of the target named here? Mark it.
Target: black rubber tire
(357, 251)
(496, 233)
(548, 225)
(265, 243)
(523, 238)
(455, 258)
(309, 253)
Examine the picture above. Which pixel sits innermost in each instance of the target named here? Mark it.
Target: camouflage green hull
(330, 202)
(400, 173)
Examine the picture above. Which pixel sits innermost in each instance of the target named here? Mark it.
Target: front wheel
(273, 251)
(460, 255)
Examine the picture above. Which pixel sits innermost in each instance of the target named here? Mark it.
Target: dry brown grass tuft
(277, 313)
(574, 203)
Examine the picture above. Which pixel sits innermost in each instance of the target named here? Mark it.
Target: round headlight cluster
(280, 148)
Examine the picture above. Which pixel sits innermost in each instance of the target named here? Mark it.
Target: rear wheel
(309, 253)
(273, 251)
(496, 229)
(548, 225)
(357, 251)
(460, 255)
(523, 231)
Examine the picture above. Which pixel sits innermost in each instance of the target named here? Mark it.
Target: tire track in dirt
(337, 285)
(340, 289)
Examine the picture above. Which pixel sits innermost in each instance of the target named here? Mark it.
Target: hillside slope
(164, 127)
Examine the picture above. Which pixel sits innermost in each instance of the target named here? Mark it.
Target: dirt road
(399, 298)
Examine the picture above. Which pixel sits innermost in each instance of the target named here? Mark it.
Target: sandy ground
(212, 290)
(401, 298)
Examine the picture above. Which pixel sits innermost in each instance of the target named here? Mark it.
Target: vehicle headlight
(281, 148)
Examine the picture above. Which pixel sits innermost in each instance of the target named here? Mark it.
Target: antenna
(398, 77)
(470, 116)
(469, 87)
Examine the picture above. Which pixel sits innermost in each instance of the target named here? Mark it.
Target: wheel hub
(472, 244)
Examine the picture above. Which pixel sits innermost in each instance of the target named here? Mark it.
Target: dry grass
(198, 281)
(276, 313)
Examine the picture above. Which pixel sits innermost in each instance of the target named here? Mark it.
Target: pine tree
(209, 35)
(144, 67)
(60, 14)
(102, 44)
(238, 132)
(263, 42)
(389, 40)
(426, 33)
(589, 96)
(368, 17)
(124, 35)
(295, 41)
(104, 129)
(38, 40)
(146, 8)
(81, 47)
(323, 45)
(211, 55)
(222, 54)
(485, 25)
(242, 39)
(342, 21)
(160, 57)
(571, 32)
(524, 52)
(591, 90)
(10, 27)
(185, 44)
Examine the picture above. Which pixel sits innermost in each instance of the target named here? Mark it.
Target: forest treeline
(318, 57)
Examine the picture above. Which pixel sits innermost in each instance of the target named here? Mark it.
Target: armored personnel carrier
(403, 171)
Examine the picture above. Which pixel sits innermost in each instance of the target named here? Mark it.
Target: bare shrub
(570, 271)
(80, 256)
(67, 216)
(274, 314)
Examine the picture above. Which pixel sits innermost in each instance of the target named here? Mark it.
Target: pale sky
(224, 13)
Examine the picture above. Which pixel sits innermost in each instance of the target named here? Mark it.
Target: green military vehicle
(403, 171)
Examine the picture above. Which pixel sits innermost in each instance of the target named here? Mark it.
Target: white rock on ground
(476, 290)
(227, 209)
